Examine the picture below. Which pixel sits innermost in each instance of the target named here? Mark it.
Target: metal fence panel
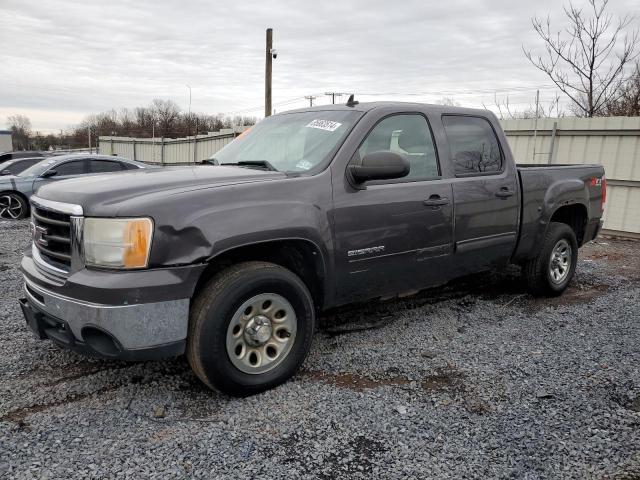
(611, 141)
(168, 151)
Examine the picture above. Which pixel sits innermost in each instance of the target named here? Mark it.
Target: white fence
(169, 151)
(611, 141)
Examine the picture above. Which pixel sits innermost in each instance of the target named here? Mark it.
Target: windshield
(37, 169)
(294, 142)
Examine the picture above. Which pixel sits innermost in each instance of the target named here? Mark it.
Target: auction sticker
(327, 125)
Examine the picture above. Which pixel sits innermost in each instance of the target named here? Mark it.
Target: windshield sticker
(304, 165)
(327, 125)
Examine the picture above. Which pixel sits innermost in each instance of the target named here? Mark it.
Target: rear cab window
(474, 146)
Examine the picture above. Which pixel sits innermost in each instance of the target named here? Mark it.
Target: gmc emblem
(38, 236)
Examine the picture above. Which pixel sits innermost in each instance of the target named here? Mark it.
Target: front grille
(52, 236)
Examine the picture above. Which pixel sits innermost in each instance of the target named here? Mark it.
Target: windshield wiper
(259, 164)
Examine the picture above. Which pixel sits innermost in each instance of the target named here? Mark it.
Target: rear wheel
(552, 270)
(250, 328)
(13, 206)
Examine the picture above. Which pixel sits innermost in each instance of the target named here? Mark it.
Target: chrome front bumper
(133, 328)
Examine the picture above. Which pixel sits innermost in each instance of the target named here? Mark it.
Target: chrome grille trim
(66, 208)
(57, 236)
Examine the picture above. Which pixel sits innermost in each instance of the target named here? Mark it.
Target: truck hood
(111, 189)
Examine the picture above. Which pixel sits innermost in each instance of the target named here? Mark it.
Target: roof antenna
(351, 102)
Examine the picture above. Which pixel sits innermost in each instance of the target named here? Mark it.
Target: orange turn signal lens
(137, 242)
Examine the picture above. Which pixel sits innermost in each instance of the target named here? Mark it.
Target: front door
(70, 169)
(394, 235)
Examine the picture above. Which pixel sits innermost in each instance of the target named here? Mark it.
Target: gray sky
(62, 60)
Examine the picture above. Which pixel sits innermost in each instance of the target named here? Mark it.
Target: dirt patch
(575, 294)
(449, 380)
(618, 257)
(353, 381)
(18, 415)
(85, 370)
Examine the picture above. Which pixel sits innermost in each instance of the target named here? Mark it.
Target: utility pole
(333, 96)
(89, 135)
(153, 139)
(189, 121)
(311, 98)
(535, 126)
(267, 73)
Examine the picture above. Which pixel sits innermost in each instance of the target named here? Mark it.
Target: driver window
(408, 135)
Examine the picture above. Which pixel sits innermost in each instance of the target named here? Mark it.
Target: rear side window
(408, 135)
(70, 168)
(473, 144)
(21, 165)
(104, 166)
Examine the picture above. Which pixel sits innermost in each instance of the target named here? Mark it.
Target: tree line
(162, 118)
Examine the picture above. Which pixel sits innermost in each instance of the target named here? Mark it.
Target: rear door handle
(505, 192)
(436, 201)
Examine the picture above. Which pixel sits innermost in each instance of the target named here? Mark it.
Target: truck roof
(367, 106)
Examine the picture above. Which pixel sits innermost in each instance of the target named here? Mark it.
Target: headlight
(117, 242)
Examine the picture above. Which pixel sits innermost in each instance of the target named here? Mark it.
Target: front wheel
(552, 270)
(12, 206)
(250, 328)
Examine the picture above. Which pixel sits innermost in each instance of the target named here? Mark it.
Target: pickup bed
(309, 210)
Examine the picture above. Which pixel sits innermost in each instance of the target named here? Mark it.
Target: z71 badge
(365, 251)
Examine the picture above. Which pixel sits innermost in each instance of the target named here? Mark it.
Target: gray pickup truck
(308, 210)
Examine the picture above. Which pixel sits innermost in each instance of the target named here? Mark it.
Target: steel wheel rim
(10, 207)
(261, 333)
(560, 262)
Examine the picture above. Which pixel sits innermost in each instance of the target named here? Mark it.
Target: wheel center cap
(258, 330)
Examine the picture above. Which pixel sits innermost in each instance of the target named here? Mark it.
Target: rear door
(104, 166)
(486, 193)
(393, 235)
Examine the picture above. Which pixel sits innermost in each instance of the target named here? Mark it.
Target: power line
(333, 96)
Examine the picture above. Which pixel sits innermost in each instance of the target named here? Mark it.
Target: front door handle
(505, 192)
(436, 201)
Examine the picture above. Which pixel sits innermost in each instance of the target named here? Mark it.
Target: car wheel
(13, 206)
(552, 270)
(250, 328)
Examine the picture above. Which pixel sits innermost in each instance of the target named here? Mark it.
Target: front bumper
(134, 316)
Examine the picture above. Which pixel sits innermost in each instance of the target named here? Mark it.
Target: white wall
(5, 142)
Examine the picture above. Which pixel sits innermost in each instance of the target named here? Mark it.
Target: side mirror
(383, 165)
(5, 172)
(49, 173)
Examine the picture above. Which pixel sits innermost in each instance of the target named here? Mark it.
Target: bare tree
(586, 61)
(20, 126)
(628, 103)
(167, 113)
(544, 110)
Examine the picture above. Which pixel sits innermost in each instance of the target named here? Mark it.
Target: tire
(549, 274)
(227, 321)
(13, 206)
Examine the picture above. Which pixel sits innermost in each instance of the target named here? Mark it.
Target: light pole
(189, 114)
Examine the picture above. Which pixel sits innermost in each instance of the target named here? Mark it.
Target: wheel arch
(299, 255)
(575, 215)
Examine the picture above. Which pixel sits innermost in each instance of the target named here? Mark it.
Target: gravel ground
(474, 380)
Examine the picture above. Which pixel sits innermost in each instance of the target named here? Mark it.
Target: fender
(560, 194)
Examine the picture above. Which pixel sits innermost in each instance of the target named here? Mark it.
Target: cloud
(62, 60)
